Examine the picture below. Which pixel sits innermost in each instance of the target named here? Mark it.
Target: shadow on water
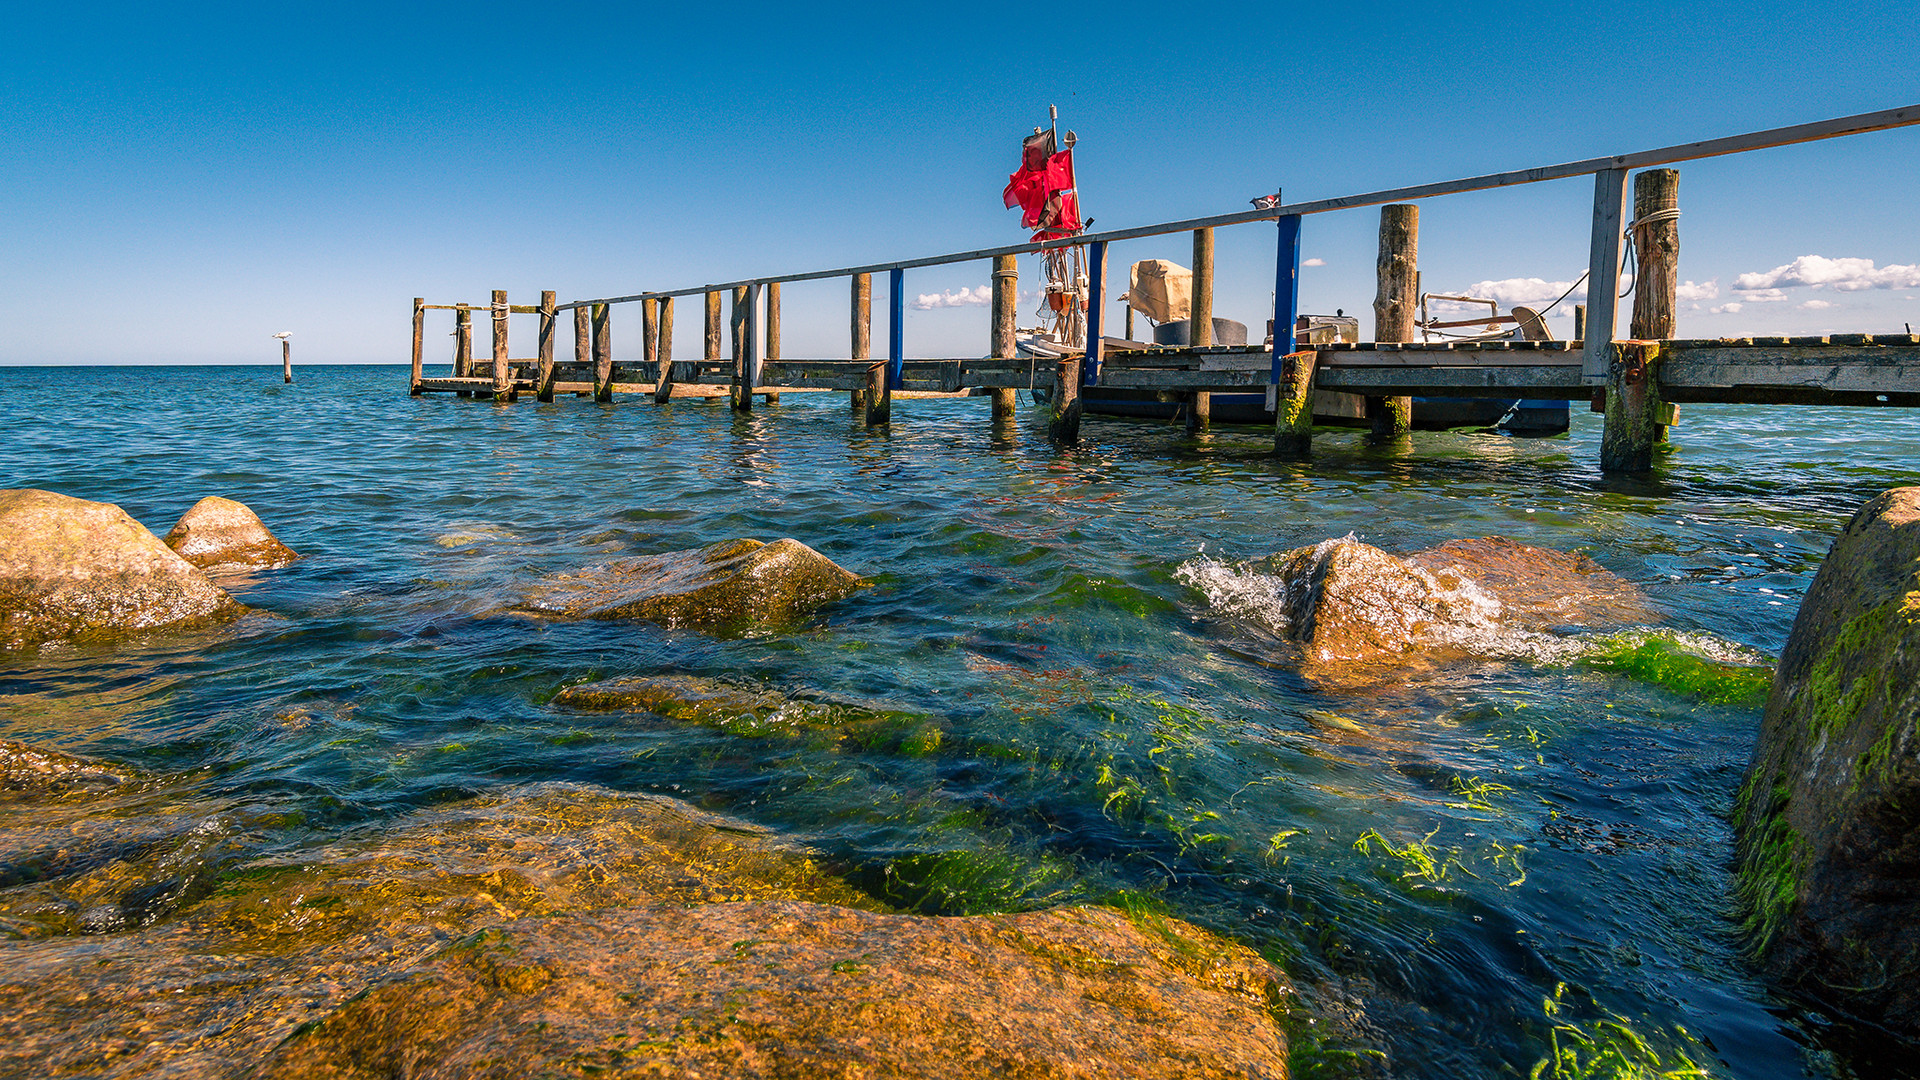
(1051, 715)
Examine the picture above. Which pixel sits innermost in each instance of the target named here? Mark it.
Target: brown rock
(73, 569)
(1538, 587)
(563, 930)
(1828, 819)
(723, 587)
(27, 771)
(221, 532)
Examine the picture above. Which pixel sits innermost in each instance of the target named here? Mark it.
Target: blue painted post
(1286, 292)
(1096, 299)
(896, 328)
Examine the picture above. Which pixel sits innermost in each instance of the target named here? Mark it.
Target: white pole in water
(286, 354)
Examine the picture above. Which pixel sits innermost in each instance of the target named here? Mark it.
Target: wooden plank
(1544, 381)
(1603, 270)
(1448, 360)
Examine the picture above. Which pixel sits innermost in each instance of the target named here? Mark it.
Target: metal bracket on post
(1286, 301)
(1096, 299)
(896, 328)
(1603, 273)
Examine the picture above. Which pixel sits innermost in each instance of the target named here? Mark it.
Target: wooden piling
(1200, 322)
(602, 352)
(1199, 411)
(1634, 409)
(582, 339)
(740, 389)
(650, 338)
(543, 389)
(502, 371)
(419, 328)
(1063, 424)
(1293, 405)
(663, 386)
(772, 353)
(711, 354)
(1636, 417)
(1579, 322)
(1006, 304)
(286, 360)
(1397, 299)
(1603, 274)
(463, 347)
(873, 402)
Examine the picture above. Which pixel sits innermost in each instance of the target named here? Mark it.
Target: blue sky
(179, 182)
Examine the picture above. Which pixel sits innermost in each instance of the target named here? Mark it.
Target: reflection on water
(1431, 856)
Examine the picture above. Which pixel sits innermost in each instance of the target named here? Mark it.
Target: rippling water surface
(1431, 859)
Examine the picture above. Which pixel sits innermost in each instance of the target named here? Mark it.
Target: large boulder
(566, 930)
(76, 570)
(1828, 818)
(724, 587)
(224, 533)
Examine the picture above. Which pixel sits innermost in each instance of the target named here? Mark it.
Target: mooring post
(1063, 424)
(544, 389)
(663, 385)
(502, 371)
(1395, 303)
(896, 329)
(650, 339)
(772, 353)
(1603, 274)
(1579, 322)
(582, 341)
(286, 360)
(1293, 404)
(419, 329)
(862, 333)
(602, 352)
(1200, 322)
(1636, 417)
(740, 389)
(1006, 294)
(463, 346)
(1096, 303)
(712, 353)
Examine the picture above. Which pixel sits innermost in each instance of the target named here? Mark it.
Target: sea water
(1462, 869)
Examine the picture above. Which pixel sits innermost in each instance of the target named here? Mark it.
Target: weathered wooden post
(663, 386)
(740, 389)
(1636, 416)
(711, 355)
(419, 328)
(1063, 422)
(772, 353)
(463, 346)
(650, 339)
(1200, 322)
(873, 402)
(544, 389)
(1006, 302)
(1397, 270)
(1603, 274)
(1579, 322)
(602, 352)
(502, 371)
(582, 341)
(286, 356)
(1293, 405)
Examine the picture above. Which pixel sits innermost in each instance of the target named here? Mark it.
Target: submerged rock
(222, 532)
(26, 772)
(73, 569)
(730, 586)
(1828, 818)
(564, 930)
(1359, 613)
(755, 712)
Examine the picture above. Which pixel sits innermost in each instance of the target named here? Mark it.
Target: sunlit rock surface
(566, 930)
(77, 570)
(755, 711)
(725, 587)
(1829, 816)
(219, 532)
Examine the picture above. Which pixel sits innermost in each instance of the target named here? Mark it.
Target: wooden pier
(1638, 382)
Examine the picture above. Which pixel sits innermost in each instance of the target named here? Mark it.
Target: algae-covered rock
(222, 532)
(1829, 815)
(566, 930)
(755, 711)
(802, 990)
(27, 772)
(723, 587)
(73, 569)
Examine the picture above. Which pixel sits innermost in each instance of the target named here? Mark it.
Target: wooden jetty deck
(1638, 381)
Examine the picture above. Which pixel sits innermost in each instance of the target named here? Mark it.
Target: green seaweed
(966, 882)
(1668, 663)
(1608, 1048)
(1771, 875)
(1832, 707)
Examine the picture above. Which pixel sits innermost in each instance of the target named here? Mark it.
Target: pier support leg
(1003, 404)
(650, 340)
(463, 347)
(602, 352)
(502, 370)
(876, 400)
(663, 385)
(1635, 412)
(711, 351)
(582, 341)
(1199, 411)
(1656, 245)
(1200, 319)
(1293, 405)
(1397, 273)
(1006, 302)
(419, 327)
(872, 403)
(1063, 427)
(740, 391)
(772, 354)
(544, 388)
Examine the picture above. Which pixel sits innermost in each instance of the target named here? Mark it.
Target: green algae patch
(759, 712)
(974, 882)
(1836, 698)
(1672, 663)
(1610, 1047)
(1771, 876)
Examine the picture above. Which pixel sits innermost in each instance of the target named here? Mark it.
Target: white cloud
(1687, 290)
(1844, 275)
(1727, 309)
(977, 297)
(1314, 262)
(1763, 296)
(1510, 291)
(1816, 305)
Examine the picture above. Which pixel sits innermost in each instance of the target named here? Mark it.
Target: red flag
(1043, 189)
